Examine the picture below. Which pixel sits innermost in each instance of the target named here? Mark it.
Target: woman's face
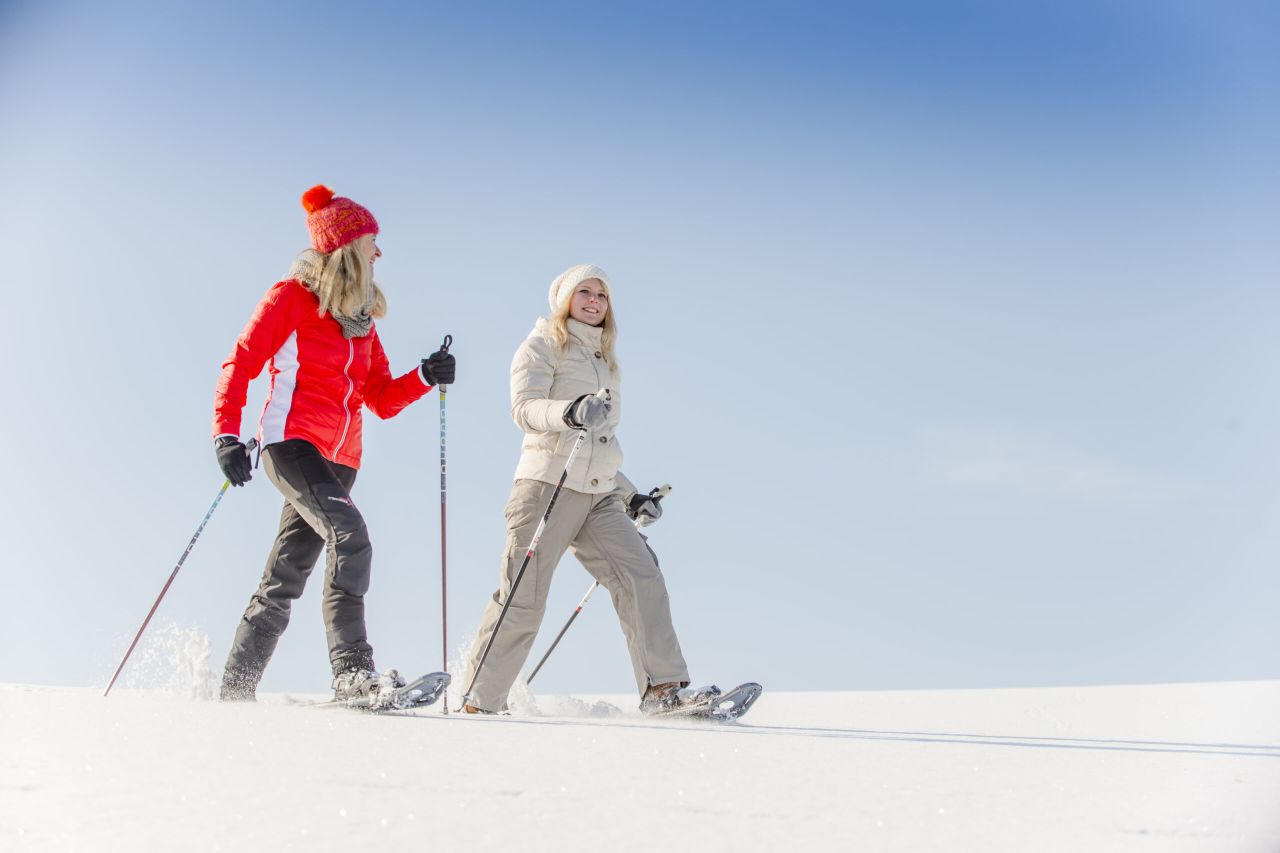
(589, 302)
(368, 245)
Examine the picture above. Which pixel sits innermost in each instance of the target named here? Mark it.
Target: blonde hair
(608, 334)
(344, 284)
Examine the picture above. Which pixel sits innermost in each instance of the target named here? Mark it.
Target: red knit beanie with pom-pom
(335, 221)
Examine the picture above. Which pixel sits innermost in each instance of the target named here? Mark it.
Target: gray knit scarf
(306, 269)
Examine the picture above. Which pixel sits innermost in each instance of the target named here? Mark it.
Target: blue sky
(952, 325)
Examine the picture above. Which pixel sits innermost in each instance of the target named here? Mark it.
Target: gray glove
(644, 509)
(588, 412)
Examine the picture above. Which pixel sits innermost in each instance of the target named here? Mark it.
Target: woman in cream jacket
(555, 375)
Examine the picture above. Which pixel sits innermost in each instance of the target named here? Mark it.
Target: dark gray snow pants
(318, 515)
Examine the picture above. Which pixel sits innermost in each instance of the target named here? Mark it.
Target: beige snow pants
(608, 545)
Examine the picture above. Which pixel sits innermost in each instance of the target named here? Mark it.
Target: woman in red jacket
(316, 333)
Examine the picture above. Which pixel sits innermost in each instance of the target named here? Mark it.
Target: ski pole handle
(249, 447)
(603, 394)
(444, 347)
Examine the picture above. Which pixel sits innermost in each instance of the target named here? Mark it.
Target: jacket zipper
(351, 387)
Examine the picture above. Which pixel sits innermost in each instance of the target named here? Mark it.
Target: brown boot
(660, 697)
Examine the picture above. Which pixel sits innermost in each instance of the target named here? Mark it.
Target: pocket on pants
(350, 536)
(335, 502)
(526, 597)
(526, 505)
(523, 512)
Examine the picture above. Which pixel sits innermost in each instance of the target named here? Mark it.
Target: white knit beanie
(562, 287)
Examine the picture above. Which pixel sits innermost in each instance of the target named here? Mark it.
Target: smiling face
(368, 245)
(589, 303)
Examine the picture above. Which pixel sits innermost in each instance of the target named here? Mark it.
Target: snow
(1181, 767)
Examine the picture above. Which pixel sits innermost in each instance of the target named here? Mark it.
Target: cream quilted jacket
(544, 381)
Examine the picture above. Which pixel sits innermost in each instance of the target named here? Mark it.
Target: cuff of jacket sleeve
(221, 428)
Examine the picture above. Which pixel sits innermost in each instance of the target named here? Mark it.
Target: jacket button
(598, 355)
(604, 439)
(595, 482)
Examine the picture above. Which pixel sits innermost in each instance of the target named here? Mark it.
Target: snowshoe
(707, 703)
(388, 692)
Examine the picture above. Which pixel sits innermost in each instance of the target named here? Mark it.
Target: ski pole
(556, 641)
(253, 442)
(660, 492)
(602, 394)
(444, 585)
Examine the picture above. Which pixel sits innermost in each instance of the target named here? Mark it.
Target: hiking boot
(251, 649)
(672, 696)
(240, 683)
(236, 693)
(365, 687)
(660, 697)
(468, 708)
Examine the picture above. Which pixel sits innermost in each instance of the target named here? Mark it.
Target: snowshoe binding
(708, 703)
(367, 690)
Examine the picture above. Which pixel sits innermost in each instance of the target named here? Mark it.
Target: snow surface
(1183, 767)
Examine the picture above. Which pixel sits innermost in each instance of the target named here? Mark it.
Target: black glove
(233, 459)
(588, 412)
(645, 508)
(440, 368)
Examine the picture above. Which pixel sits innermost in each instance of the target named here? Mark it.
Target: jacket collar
(588, 336)
(579, 333)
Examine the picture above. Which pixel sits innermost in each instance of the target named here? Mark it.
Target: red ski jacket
(319, 379)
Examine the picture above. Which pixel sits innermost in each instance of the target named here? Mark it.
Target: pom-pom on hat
(335, 221)
(562, 287)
